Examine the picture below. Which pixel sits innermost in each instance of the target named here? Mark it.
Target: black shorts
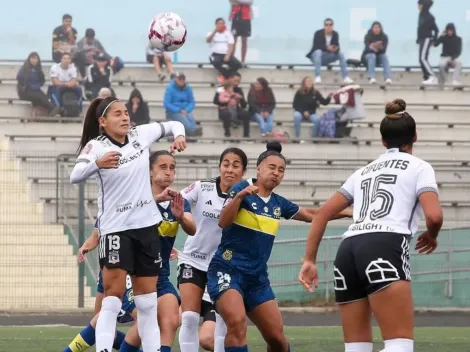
(161, 59)
(187, 274)
(136, 251)
(241, 28)
(207, 311)
(370, 262)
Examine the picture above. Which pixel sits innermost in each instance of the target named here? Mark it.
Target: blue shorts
(164, 286)
(255, 289)
(128, 305)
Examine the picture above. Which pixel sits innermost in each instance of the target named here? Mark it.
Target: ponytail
(91, 126)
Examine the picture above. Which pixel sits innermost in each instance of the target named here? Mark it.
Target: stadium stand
(37, 198)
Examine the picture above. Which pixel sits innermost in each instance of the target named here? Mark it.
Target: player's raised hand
(109, 161)
(167, 194)
(308, 275)
(174, 254)
(179, 144)
(249, 191)
(426, 243)
(177, 206)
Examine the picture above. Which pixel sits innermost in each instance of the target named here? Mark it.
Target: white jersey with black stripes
(125, 199)
(385, 194)
(206, 199)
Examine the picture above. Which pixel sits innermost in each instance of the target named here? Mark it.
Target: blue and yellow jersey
(248, 242)
(168, 230)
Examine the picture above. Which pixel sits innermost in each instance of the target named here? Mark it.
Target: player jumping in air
(238, 280)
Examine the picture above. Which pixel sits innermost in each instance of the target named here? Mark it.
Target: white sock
(106, 324)
(398, 345)
(219, 334)
(189, 332)
(147, 323)
(358, 347)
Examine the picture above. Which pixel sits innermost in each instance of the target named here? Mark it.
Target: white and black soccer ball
(167, 32)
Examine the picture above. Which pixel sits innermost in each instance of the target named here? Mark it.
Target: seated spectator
(138, 108)
(64, 39)
(158, 59)
(30, 79)
(326, 50)
(306, 100)
(179, 104)
(222, 50)
(105, 93)
(376, 42)
(262, 103)
(99, 76)
(451, 50)
(88, 48)
(64, 81)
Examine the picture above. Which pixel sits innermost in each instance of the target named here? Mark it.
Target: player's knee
(111, 304)
(190, 320)
(399, 345)
(206, 341)
(277, 342)
(358, 347)
(147, 302)
(169, 323)
(236, 326)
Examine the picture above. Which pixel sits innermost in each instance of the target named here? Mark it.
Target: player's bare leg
(231, 308)
(206, 335)
(244, 49)
(393, 309)
(168, 318)
(357, 327)
(268, 320)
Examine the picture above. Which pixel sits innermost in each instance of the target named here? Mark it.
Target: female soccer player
(238, 274)
(127, 216)
(371, 269)
(207, 198)
(176, 213)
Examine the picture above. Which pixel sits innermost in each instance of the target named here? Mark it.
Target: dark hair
(66, 17)
(264, 82)
(67, 54)
(328, 19)
(154, 156)
(91, 127)
(238, 152)
(236, 74)
(272, 148)
(219, 19)
(398, 128)
(27, 68)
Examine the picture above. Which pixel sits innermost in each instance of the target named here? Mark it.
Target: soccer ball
(167, 31)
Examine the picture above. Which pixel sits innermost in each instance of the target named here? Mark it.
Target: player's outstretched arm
(309, 214)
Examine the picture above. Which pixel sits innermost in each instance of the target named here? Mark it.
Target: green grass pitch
(302, 339)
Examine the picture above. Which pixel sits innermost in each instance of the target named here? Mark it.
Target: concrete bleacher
(29, 151)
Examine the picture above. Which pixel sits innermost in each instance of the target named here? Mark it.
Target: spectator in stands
(158, 59)
(99, 75)
(222, 50)
(179, 104)
(262, 103)
(64, 39)
(30, 79)
(88, 48)
(451, 50)
(64, 80)
(326, 50)
(231, 104)
(138, 108)
(306, 100)
(240, 15)
(427, 35)
(376, 42)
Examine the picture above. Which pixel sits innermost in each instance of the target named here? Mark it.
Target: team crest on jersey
(227, 255)
(277, 212)
(231, 194)
(113, 257)
(187, 272)
(133, 132)
(265, 209)
(189, 188)
(165, 215)
(87, 148)
(136, 145)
